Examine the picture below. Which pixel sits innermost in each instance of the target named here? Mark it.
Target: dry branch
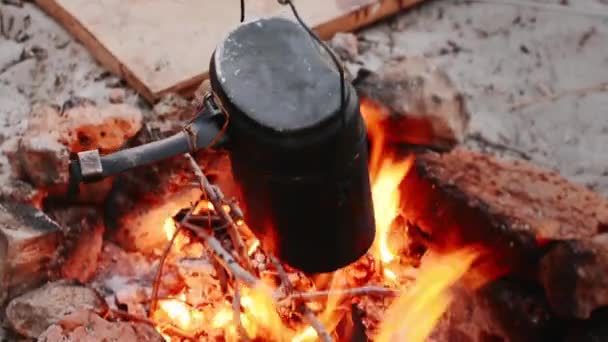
(306, 312)
(352, 292)
(282, 274)
(216, 199)
(159, 272)
(236, 309)
(230, 263)
(226, 258)
(315, 323)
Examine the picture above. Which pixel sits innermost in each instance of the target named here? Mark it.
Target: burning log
(29, 241)
(519, 213)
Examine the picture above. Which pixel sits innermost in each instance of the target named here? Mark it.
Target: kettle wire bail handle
(329, 51)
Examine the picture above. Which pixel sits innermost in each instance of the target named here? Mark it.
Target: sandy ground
(500, 56)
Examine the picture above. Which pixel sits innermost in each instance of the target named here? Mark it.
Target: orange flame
(180, 314)
(386, 197)
(415, 313)
(387, 171)
(260, 318)
(169, 228)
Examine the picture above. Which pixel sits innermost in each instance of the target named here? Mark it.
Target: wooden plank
(161, 46)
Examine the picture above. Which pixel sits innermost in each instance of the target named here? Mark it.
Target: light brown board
(159, 46)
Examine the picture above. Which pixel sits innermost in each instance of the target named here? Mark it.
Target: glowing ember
(223, 317)
(413, 316)
(253, 247)
(205, 206)
(180, 314)
(169, 228)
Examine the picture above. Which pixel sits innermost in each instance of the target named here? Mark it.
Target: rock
(87, 326)
(575, 277)
(593, 330)
(43, 151)
(504, 310)
(29, 241)
(415, 103)
(16, 190)
(81, 263)
(171, 105)
(83, 243)
(143, 229)
(171, 113)
(34, 312)
(11, 53)
(346, 46)
(520, 214)
(512, 206)
(117, 95)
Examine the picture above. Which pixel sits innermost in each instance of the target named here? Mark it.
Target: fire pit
(194, 275)
(466, 247)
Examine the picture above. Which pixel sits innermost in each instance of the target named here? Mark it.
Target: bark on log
(29, 241)
(518, 212)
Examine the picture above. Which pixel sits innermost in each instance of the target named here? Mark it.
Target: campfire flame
(415, 313)
(412, 315)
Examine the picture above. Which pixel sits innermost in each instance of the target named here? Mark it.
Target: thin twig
(548, 7)
(159, 272)
(119, 314)
(221, 271)
(550, 98)
(309, 316)
(173, 330)
(227, 260)
(236, 312)
(357, 291)
(282, 274)
(217, 202)
(315, 323)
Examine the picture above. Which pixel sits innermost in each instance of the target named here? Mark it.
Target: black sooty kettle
(296, 140)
